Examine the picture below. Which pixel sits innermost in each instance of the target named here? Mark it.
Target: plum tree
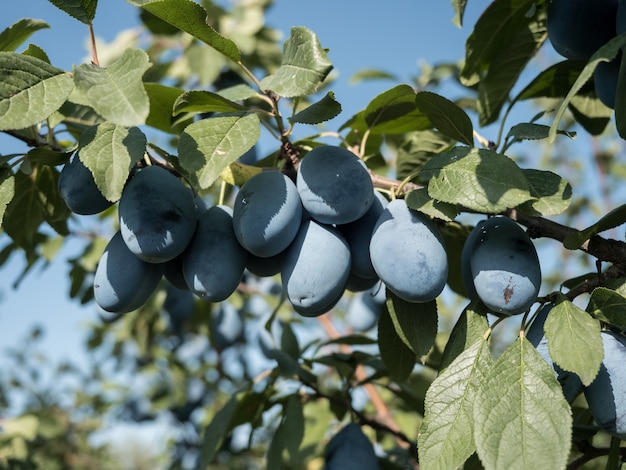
(78, 188)
(264, 212)
(334, 185)
(350, 449)
(316, 268)
(214, 261)
(577, 28)
(570, 382)
(506, 274)
(606, 395)
(122, 282)
(408, 253)
(157, 215)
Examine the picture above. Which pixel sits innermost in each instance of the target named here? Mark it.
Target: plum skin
(577, 28)
(79, 190)
(316, 268)
(214, 261)
(123, 282)
(263, 214)
(157, 215)
(350, 449)
(505, 268)
(606, 395)
(334, 185)
(227, 325)
(408, 253)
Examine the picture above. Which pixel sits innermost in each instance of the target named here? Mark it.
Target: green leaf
(459, 10)
(552, 194)
(110, 151)
(392, 112)
(24, 213)
(200, 101)
(395, 354)
(238, 92)
(30, 90)
(478, 179)
(303, 68)
(190, 17)
(48, 156)
(574, 341)
(217, 430)
(446, 116)
(324, 110)
(54, 209)
(521, 419)
(208, 146)
(293, 425)
(446, 435)
(608, 306)
(553, 82)
(613, 219)
(506, 36)
(371, 74)
(620, 101)
(35, 51)
(470, 327)
(7, 190)
(13, 36)
(419, 200)
(117, 92)
(83, 10)
(415, 323)
(605, 54)
(533, 131)
(417, 148)
(590, 112)
(162, 99)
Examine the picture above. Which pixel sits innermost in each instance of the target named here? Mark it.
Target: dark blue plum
(214, 261)
(350, 449)
(360, 284)
(157, 215)
(605, 80)
(578, 28)
(316, 268)
(122, 282)
(267, 213)
(408, 253)
(265, 267)
(227, 326)
(334, 185)
(358, 235)
(179, 305)
(570, 382)
(364, 309)
(505, 267)
(174, 273)
(78, 188)
(606, 395)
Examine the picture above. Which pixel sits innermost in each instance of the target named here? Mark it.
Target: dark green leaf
(620, 100)
(478, 179)
(417, 149)
(613, 219)
(54, 209)
(7, 190)
(468, 329)
(83, 10)
(37, 52)
(415, 323)
(217, 430)
(304, 66)
(552, 194)
(30, 90)
(608, 306)
(324, 110)
(201, 101)
(574, 341)
(162, 99)
(590, 112)
(396, 355)
(47, 156)
(24, 213)
(190, 17)
(533, 131)
(520, 407)
(419, 200)
(13, 36)
(446, 116)
(553, 82)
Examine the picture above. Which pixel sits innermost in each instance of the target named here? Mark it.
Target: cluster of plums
(606, 395)
(578, 28)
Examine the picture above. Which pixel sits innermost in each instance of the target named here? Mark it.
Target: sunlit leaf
(83, 10)
(551, 193)
(13, 36)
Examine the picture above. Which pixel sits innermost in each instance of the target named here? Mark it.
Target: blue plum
(360, 284)
(227, 326)
(570, 382)
(350, 449)
(122, 282)
(605, 80)
(364, 308)
(334, 185)
(468, 248)
(266, 213)
(214, 261)
(316, 268)
(505, 267)
(265, 267)
(157, 215)
(174, 273)
(606, 395)
(358, 235)
(408, 253)
(577, 28)
(179, 305)
(620, 17)
(78, 188)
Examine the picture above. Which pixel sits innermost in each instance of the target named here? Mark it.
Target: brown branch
(32, 142)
